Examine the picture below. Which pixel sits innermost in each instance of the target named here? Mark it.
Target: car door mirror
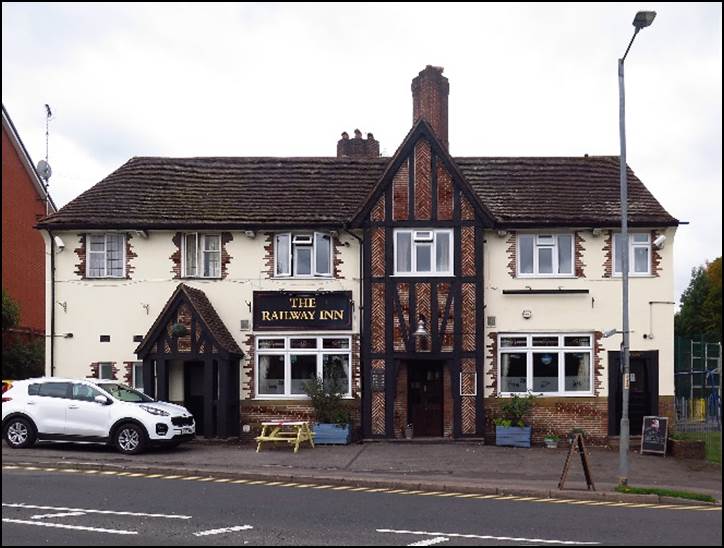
(103, 400)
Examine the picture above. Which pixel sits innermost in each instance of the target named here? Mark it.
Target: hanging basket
(179, 330)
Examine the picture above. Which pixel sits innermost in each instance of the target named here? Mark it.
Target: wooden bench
(292, 432)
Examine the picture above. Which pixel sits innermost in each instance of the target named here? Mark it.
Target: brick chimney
(358, 147)
(429, 100)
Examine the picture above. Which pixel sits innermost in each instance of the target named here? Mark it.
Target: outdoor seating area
(292, 432)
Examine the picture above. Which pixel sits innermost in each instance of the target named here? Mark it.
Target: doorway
(425, 397)
(643, 390)
(194, 397)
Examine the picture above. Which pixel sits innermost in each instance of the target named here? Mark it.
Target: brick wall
(580, 266)
(401, 418)
(512, 252)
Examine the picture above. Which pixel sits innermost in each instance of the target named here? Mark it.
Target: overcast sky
(287, 79)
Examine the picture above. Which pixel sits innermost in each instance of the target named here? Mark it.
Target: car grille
(182, 421)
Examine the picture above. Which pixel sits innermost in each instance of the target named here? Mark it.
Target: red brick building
(25, 200)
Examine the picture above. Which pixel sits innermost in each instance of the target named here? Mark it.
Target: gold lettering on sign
(303, 302)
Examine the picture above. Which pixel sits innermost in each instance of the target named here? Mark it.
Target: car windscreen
(124, 393)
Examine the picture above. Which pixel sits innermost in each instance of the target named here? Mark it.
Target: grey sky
(287, 79)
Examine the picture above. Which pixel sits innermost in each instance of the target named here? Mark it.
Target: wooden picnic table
(292, 432)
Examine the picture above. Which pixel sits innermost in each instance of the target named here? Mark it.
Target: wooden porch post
(223, 409)
(162, 374)
(149, 377)
(209, 430)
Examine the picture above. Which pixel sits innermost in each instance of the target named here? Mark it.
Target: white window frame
(536, 245)
(560, 349)
(134, 377)
(417, 238)
(100, 371)
(104, 253)
(632, 246)
(201, 244)
(291, 252)
(287, 351)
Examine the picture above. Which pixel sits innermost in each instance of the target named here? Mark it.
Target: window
(639, 253)
(55, 390)
(303, 255)
(201, 255)
(286, 364)
(546, 364)
(545, 255)
(424, 252)
(83, 392)
(106, 254)
(105, 370)
(137, 375)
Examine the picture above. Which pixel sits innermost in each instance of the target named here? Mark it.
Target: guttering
(545, 291)
(362, 306)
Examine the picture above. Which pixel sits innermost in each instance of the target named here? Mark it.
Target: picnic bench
(292, 432)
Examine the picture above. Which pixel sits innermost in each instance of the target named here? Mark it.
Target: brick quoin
(512, 252)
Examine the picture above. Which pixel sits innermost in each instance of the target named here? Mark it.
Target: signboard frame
(649, 419)
(302, 311)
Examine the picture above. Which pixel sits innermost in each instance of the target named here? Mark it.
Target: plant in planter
(551, 441)
(332, 415)
(511, 428)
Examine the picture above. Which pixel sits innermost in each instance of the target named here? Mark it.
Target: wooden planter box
(332, 434)
(513, 436)
(687, 449)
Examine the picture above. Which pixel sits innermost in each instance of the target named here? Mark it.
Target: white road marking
(223, 530)
(73, 527)
(485, 537)
(430, 541)
(87, 511)
(61, 515)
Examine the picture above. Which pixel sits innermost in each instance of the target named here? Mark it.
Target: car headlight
(154, 411)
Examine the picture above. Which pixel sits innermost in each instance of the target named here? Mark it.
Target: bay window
(545, 255)
(201, 255)
(424, 252)
(639, 253)
(286, 364)
(106, 255)
(546, 364)
(303, 255)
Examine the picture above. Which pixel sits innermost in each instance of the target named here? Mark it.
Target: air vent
(105, 338)
(245, 325)
(138, 338)
(491, 321)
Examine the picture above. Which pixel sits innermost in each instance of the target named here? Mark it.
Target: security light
(659, 242)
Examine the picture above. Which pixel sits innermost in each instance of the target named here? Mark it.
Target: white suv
(89, 410)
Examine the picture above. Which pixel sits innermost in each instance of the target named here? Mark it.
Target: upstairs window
(424, 252)
(106, 255)
(201, 255)
(639, 258)
(545, 255)
(303, 254)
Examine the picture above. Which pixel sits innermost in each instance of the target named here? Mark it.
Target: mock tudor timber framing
(393, 307)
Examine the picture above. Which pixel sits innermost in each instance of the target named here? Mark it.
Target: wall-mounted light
(63, 305)
(420, 331)
(596, 232)
(250, 234)
(59, 243)
(142, 233)
(659, 242)
(502, 233)
(146, 307)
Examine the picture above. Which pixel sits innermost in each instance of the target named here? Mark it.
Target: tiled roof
(238, 192)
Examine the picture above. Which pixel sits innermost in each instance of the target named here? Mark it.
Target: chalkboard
(653, 435)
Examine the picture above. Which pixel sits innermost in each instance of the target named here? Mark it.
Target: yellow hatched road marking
(289, 484)
(709, 508)
(95, 472)
(306, 485)
(469, 496)
(257, 482)
(341, 488)
(190, 478)
(508, 497)
(687, 507)
(119, 473)
(357, 489)
(171, 477)
(430, 493)
(618, 504)
(487, 497)
(109, 473)
(222, 480)
(153, 476)
(239, 481)
(274, 483)
(49, 469)
(136, 475)
(320, 486)
(207, 479)
(449, 495)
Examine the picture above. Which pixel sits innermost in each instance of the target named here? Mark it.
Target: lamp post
(643, 19)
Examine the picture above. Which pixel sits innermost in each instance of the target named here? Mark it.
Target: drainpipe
(362, 303)
(52, 303)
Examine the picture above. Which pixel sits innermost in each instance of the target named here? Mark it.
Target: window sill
(546, 277)
(421, 275)
(320, 277)
(549, 394)
(282, 398)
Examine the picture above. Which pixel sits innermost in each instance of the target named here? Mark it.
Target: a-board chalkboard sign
(653, 435)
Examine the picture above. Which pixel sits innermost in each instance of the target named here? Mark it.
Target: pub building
(433, 286)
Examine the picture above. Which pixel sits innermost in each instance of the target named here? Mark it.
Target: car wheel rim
(129, 439)
(18, 433)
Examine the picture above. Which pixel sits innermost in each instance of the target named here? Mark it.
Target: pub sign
(303, 310)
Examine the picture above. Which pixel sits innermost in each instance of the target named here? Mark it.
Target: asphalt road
(78, 509)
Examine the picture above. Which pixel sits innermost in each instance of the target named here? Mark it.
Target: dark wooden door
(643, 397)
(194, 392)
(425, 398)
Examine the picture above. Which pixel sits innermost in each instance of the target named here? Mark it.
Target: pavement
(460, 467)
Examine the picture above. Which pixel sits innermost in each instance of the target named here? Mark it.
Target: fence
(698, 395)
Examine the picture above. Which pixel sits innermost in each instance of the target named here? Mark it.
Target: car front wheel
(20, 433)
(130, 439)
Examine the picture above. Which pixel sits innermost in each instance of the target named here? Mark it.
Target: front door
(643, 390)
(194, 392)
(425, 398)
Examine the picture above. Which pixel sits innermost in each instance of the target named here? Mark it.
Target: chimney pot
(357, 134)
(358, 147)
(345, 135)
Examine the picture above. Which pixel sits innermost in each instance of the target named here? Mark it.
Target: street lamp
(642, 20)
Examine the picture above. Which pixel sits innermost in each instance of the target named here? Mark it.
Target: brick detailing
(447, 339)
(468, 312)
(598, 368)
(176, 256)
(128, 373)
(512, 252)
(655, 255)
(378, 318)
(356, 367)
(378, 402)
(377, 253)
(467, 386)
(430, 91)
(247, 368)
(447, 404)
(608, 255)
(558, 416)
(467, 246)
(467, 211)
(130, 254)
(492, 359)
(116, 371)
(378, 211)
(337, 261)
(423, 180)
(94, 367)
(80, 252)
(401, 402)
(184, 318)
(423, 290)
(399, 340)
(579, 264)
(226, 237)
(400, 193)
(468, 405)
(444, 194)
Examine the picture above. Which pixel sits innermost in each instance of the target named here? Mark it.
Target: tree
(700, 313)
(712, 302)
(22, 358)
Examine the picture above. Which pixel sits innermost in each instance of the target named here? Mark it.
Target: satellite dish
(44, 169)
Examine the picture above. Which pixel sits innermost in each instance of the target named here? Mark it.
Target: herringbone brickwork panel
(468, 409)
(378, 413)
(468, 317)
(378, 212)
(444, 194)
(401, 193)
(467, 211)
(423, 294)
(467, 246)
(378, 252)
(400, 333)
(378, 317)
(423, 181)
(447, 338)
